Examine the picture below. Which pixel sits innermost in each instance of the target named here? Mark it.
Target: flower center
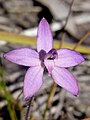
(42, 54)
(51, 55)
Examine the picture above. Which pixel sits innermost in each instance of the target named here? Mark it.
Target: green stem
(49, 101)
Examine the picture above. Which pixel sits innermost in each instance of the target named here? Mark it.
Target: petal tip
(76, 93)
(82, 59)
(27, 97)
(43, 21)
(43, 18)
(5, 55)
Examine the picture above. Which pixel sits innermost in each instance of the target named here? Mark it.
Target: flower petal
(44, 36)
(68, 58)
(49, 65)
(65, 79)
(33, 81)
(23, 56)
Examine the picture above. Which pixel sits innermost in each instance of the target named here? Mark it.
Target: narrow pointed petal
(23, 56)
(33, 81)
(65, 79)
(49, 65)
(68, 58)
(44, 36)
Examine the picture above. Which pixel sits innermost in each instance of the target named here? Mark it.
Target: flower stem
(28, 106)
(53, 87)
(49, 101)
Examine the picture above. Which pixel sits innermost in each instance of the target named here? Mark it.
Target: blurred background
(22, 17)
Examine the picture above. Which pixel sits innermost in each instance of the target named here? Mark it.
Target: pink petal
(65, 79)
(44, 37)
(68, 58)
(23, 56)
(49, 65)
(33, 81)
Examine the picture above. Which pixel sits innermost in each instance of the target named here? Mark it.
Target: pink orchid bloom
(56, 62)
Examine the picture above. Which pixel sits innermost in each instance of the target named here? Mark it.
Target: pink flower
(56, 62)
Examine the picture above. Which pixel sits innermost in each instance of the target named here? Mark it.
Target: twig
(81, 40)
(19, 95)
(67, 19)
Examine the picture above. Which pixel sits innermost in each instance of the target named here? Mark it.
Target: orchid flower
(55, 61)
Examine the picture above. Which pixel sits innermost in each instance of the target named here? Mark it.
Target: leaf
(27, 40)
(16, 38)
(82, 49)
